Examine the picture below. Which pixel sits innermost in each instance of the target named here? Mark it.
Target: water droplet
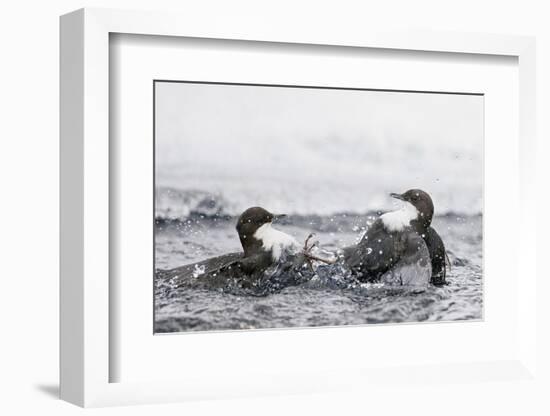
(199, 270)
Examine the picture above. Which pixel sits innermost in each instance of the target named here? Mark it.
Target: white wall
(29, 209)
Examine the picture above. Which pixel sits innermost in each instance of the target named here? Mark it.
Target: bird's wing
(254, 263)
(414, 267)
(377, 251)
(206, 267)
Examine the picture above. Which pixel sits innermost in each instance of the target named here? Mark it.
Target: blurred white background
(318, 151)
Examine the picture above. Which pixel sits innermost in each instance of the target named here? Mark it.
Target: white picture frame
(85, 221)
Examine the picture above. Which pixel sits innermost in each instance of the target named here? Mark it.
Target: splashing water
(199, 270)
(330, 296)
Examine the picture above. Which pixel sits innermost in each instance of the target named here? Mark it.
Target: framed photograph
(252, 201)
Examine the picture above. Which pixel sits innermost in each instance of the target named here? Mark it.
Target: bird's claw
(311, 257)
(307, 246)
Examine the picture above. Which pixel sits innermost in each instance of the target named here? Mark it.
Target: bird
(401, 247)
(262, 244)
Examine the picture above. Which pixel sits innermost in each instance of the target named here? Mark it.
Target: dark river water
(326, 298)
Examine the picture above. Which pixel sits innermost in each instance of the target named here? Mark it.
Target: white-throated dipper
(401, 246)
(262, 246)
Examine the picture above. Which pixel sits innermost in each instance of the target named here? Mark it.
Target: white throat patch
(398, 220)
(275, 240)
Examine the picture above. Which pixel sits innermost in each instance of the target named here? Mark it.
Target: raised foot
(310, 256)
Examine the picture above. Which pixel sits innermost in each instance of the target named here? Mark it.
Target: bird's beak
(397, 196)
(278, 217)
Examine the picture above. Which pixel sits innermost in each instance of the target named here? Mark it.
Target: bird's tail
(447, 260)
